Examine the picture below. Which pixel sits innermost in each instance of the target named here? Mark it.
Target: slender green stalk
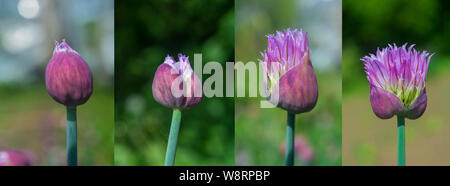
(401, 140)
(173, 138)
(71, 136)
(290, 135)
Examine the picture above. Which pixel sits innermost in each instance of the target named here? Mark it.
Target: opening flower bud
(290, 81)
(175, 84)
(396, 78)
(68, 77)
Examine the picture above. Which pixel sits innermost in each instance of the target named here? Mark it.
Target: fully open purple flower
(175, 84)
(290, 81)
(396, 78)
(13, 158)
(68, 77)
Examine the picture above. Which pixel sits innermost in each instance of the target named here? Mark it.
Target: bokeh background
(260, 133)
(146, 32)
(367, 25)
(30, 120)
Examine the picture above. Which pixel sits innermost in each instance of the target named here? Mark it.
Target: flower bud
(13, 158)
(396, 78)
(290, 81)
(68, 77)
(175, 85)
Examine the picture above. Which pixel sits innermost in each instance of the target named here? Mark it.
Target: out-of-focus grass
(31, 121)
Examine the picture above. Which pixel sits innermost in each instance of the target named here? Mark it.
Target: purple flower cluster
(290, 81)
(396, 78)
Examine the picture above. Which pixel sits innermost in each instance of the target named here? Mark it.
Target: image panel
(157, 42)
(302, 39)
(57, 82)
(392, 52)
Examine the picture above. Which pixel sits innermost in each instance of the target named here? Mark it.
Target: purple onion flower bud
(68, 77)
(290, 81)
(396, 78)
(13, 158)
(175, 84)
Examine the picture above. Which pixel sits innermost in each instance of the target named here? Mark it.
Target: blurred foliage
(372, 24)
(146, 32)
(260, 133)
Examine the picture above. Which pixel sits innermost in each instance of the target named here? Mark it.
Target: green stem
(290, 135)
(173, 138)
(71, 137)
(401, 140)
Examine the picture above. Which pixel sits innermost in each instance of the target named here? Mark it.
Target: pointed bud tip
(63, 47)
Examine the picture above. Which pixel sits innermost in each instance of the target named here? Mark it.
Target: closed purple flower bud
(175, 84)
(13, 158)
(68, 77)
(396, 78)
(290, 81)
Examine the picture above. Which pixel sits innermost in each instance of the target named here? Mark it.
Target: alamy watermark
(268, 84)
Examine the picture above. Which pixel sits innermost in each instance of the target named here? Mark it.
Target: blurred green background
(146, 32)
(30, 120)
(367, 25)
(260, 133)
